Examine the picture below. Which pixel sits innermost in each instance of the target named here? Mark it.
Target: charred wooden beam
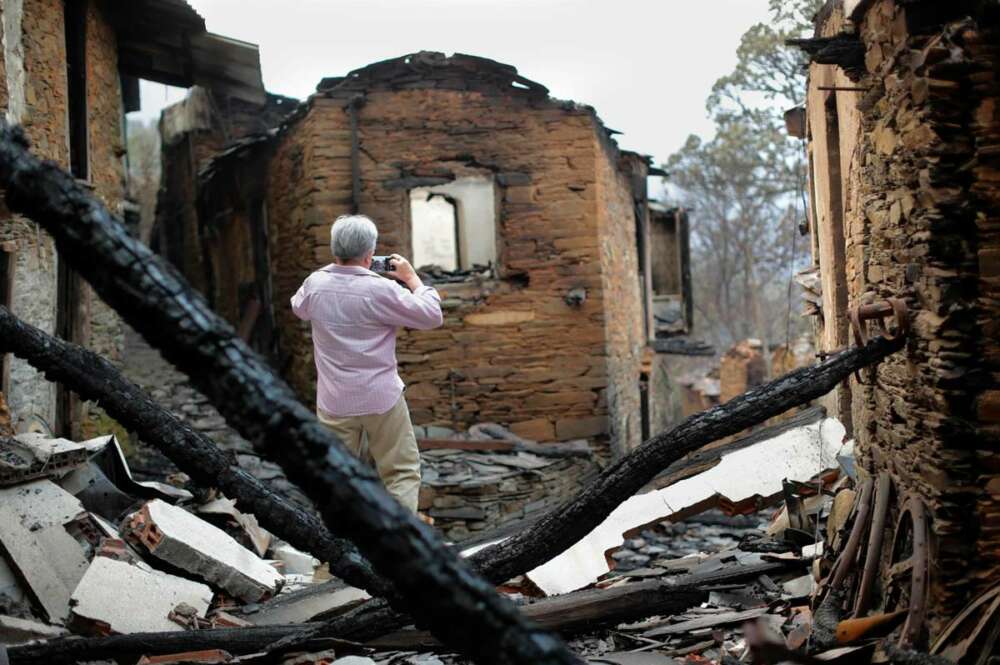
(93, 378)
(845, 50)
(568, 614)
(434, 583)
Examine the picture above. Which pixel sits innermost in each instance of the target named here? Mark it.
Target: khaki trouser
(391, 444)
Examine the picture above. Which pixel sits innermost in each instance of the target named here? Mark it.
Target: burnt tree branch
(93, 378)
(434, 583)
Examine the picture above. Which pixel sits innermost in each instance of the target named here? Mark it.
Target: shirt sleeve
(300, 303)
(397, 306)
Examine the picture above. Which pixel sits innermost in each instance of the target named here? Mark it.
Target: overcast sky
(645, 65)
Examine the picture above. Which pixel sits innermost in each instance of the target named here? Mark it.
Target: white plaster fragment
(192, 544)
(296, 561)
(17, 631)
(798, 454)
(149, 598)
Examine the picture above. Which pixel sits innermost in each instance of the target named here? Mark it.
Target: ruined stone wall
(919, 152)
(35, 74)
(624, 313)
(511, 350)
(106, 148)
(295, 232)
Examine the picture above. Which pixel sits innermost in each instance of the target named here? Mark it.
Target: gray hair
(352, 236)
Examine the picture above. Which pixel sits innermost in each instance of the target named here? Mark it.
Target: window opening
(453, 226)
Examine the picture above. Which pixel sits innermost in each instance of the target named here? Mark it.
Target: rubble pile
(88, 549)
(498, 479)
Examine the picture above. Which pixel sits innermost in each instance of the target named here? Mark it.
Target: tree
(744, 186)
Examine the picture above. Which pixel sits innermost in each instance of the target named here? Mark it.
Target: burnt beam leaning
(461, 608)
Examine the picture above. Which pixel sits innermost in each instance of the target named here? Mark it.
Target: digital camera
(382, 264)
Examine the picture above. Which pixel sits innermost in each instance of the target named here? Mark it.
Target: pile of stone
(476, 482)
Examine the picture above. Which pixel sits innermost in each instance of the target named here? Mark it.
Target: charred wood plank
(844, 50)
(93, 378)
(568, 614)
(595, 609)
(433, 582)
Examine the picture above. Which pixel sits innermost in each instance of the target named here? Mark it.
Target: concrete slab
(207, 552)
(150, 598)
(15, 630)
(47, 560)
(18, 631)
(32, 455)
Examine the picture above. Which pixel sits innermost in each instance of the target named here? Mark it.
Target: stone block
(536, 429)
(500, 318)
(581, 428)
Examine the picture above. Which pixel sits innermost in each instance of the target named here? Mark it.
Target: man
(354, 314)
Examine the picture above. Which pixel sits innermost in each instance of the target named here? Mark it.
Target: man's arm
(300, 302)
(420, 308)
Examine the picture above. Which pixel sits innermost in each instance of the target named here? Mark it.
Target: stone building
(69, 71)
(903, 122)
(557, 277)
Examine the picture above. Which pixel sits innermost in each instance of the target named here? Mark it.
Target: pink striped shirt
(354, 314)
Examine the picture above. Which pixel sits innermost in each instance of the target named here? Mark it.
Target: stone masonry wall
(511, 350)
(40, 27)
(623, 307)
(921, 194)
(44, 118)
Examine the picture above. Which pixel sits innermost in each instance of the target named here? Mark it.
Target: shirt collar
(348, 270)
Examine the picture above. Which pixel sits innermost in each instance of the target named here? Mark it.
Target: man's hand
(404, 272)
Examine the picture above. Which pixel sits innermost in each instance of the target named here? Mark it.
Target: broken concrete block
(29, 456)
(296, 561)
(207, 552)
(151, 596)
(17, 631)
(38, 548)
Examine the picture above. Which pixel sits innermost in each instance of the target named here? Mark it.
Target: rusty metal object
(846, 560)
(974, 632)
(852, 630)
(876, 535)
(912, 541)
(878, 312)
